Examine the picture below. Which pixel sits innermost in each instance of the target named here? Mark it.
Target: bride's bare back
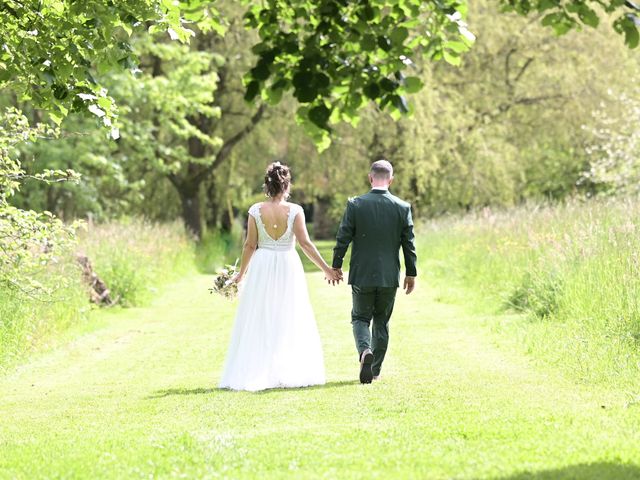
(275, 216)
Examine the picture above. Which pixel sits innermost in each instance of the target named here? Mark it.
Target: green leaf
(306, 93)
(458, 47)
(368, 13)
(551, 19)
(559, 21)
(302, 78)
(450, 58)
(368, 43)
(321, 80)
(322, 142)
(57, 119)
(547, 4)
(384, 43)
(253, 88)
(260, 71)
(60, 92)
(260, 47)
(319, 115)
(388, 85)
(57, 6)
(372, 90)
(400, 103)
(398, 36)
(631, 36)
(353, 104)
(105, 102)
(274, 95)
(588, 16)
(413, 84)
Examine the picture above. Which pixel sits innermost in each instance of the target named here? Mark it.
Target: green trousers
(372, 304)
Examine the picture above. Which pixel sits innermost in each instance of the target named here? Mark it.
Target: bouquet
(223, 284)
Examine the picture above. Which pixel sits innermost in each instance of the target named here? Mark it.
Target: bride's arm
(250, 245)
(309, 249)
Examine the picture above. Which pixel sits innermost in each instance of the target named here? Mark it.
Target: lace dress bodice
(287, 241)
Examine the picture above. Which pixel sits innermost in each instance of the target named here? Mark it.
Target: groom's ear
(390, 180)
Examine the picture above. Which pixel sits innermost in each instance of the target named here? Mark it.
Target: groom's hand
(331, 276)
(409, 284)
(339, 276)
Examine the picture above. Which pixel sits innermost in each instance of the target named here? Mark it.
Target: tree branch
(523, 69)
(228, 144)
(173, 178)
(507, 69)
(506, 106)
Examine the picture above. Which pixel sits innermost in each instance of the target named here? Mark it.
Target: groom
(378, 224)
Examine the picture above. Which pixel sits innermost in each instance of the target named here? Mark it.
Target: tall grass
(28, 320)
(136, 257)
(572, 270)
(133, 258)
(217, 249)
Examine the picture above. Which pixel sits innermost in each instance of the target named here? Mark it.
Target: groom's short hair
(381, 170)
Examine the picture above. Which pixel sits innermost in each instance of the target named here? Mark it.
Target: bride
(275, 341)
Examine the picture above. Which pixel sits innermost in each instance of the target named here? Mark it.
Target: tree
(502, 127)
(28, 239)
(174, 120)
(333, 55)
(52, 50)
(613, 151)
(50, 53)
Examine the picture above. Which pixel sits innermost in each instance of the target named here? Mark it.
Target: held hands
(409, 284)
(333, 276)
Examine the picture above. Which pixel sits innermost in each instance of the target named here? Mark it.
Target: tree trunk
(191, 213)
(323, 226)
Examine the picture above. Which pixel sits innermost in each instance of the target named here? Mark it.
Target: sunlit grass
(573, 270)
(133, 258)
(138, 399)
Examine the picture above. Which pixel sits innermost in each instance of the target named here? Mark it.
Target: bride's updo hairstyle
(277, 179)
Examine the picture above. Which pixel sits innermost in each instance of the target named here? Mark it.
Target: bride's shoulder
(254, 209)
(295, 208)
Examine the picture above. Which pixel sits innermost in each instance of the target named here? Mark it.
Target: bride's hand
(332, 276)
(237, 278)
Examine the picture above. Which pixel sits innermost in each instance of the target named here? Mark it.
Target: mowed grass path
(137, 398)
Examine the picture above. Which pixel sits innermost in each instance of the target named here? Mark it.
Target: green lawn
(137, 398)
(325, 247)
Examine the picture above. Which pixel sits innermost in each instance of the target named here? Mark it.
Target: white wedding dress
(275, 341)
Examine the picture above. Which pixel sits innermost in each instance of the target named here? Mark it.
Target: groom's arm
(407, 240)
(344, 236)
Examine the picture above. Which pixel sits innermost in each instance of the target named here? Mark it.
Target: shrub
(217, 249)
(133, 258)
(538, 293)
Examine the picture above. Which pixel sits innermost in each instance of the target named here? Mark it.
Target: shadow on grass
(585, 471)
(205, 391)
(328, 385)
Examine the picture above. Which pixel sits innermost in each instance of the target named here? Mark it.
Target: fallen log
(98, 291)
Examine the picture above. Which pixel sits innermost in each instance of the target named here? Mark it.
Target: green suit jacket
(378, 224)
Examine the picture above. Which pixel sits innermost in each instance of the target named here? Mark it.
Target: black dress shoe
(366, 359)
